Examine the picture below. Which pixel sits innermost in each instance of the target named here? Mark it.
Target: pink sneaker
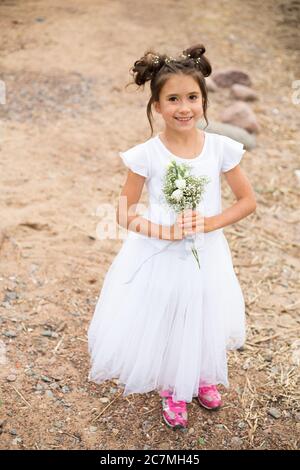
(174, 412)
(209, 397)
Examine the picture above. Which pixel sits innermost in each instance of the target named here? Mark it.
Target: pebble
(104, 400)
(49, 334)
(297, 416)
(268, 355)
(164, 446)
(49, 394)
(65, 389)
(45, 379)
(93, 428)
(11, 378)
(242, 425)
(54, 386)
(236, 442)
(274, 412)
(10, 334)
(16, 441)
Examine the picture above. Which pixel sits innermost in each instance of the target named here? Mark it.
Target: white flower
(180, 183)
(177, 194)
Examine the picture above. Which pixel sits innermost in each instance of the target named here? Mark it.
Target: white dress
(161, 322)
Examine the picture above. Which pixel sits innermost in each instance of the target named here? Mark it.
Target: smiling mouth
(183, 119)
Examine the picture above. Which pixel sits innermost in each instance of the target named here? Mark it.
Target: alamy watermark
(296, 93)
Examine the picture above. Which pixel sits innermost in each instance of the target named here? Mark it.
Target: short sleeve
(232, 152)
(136, 159)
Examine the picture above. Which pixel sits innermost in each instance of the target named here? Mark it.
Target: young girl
(161, 323)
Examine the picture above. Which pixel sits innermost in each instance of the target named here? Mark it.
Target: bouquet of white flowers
(184, 191)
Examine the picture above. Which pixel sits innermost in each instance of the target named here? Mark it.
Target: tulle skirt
(161, 322)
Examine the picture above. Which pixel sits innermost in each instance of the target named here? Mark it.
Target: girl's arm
(245, 205)
(128, 218)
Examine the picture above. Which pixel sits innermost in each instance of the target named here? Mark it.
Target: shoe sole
(207, 407)
(176, 426)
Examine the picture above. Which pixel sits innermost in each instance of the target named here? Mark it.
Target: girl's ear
(157, 106)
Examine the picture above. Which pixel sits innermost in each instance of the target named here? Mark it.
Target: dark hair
(158, 67)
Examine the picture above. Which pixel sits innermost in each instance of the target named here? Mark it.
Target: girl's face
(180, 97)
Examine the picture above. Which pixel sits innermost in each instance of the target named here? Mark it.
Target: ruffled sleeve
(137, 160)
(232, 152)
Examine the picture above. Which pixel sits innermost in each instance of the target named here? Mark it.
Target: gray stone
(11, 378)
(274, 412)
(10, 334)
(234, 132)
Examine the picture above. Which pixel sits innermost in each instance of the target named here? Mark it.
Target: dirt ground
(67, 114)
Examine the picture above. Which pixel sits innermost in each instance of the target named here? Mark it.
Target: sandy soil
(65, 65)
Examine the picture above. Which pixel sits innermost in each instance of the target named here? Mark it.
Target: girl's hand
(190, 221)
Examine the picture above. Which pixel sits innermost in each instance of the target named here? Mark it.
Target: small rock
(49, 334)
(16, 441)
(274, 412)
(115, 431)
(164, 446)
(10, 334)
(54, 386)
(10, 296)
(104, 400)
(210, 422)
(65, 389)
(191, 431)
(242, 425)
(93, 428)
(297, 416)
(297, 174)
(268, 355)
(45, 378)
(49, 394)
(13, 432)
(236, 442)
(59, 424)
(235, 133)
(11, 378)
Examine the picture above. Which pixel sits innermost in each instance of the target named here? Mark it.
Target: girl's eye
(174, 97)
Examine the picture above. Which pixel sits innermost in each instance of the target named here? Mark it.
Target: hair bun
(146, 67)
(196, 53)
